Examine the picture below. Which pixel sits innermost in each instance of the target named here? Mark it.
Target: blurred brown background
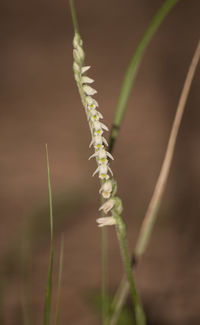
(40, 104)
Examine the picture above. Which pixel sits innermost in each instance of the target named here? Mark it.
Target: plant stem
(152, 211)
(121, 233)
(47, 306)
(132, 69)
(74, 16)
(104, 251)
(59, 280)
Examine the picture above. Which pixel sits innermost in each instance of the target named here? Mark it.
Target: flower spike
(97, 129)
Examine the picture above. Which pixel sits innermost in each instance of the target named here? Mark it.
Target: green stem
(104, 251)
(47, 306)
(121, 232)
(132, 69)
(59, 280)
(74, 16)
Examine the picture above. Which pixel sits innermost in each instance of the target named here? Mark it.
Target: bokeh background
(39, 104)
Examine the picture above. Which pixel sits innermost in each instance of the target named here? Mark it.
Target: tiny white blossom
(89, 90)
(84, 69)
(86, 80)
(107, 206)
(106, 221)
(98, 126)
(103, 171)
(101, 154)
(95, 115)
(98, 142)
(91, 102)
(106, 189)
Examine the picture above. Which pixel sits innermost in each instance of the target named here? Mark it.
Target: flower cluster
(97, 129)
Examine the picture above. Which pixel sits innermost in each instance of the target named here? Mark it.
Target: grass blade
(154, 204)
(152, 210)
(47, 307)
(133, 66)
(59, 280)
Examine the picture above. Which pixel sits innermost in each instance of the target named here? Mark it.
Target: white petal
(84, 69)
(109, 155)
(93, 155)
(89, 90)
(107, 186)
(107, 221)
(86, 80)
(89, 100)
(104, 127)
(100, 115)
(105, 141)
(95, 103)
(96, 171)
(107, 206)
(91, 143)
(110, 170)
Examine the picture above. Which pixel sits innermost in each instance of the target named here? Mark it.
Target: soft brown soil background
(40, 104)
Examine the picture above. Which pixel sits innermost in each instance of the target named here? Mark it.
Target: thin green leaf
(59, 280)
(47, 307)
(133, 66)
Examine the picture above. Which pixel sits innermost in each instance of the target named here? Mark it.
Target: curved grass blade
(132, 69)
(152, 210)
(47, 307)
(59, 280)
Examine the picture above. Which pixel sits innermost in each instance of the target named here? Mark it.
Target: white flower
(95, 115)
(91, 102)
(89, 90)
(107, 206)
(106, 221)
(86, 80)
(98, 142)
(102, 155)
(103, 171)
(84, 69)
(99, 126)
(106, 189)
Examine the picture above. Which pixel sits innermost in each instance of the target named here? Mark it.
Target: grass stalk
(137, 305)
(47, 306)
(104, 251)
(59, 280)
(152, 210)
(132, 69)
